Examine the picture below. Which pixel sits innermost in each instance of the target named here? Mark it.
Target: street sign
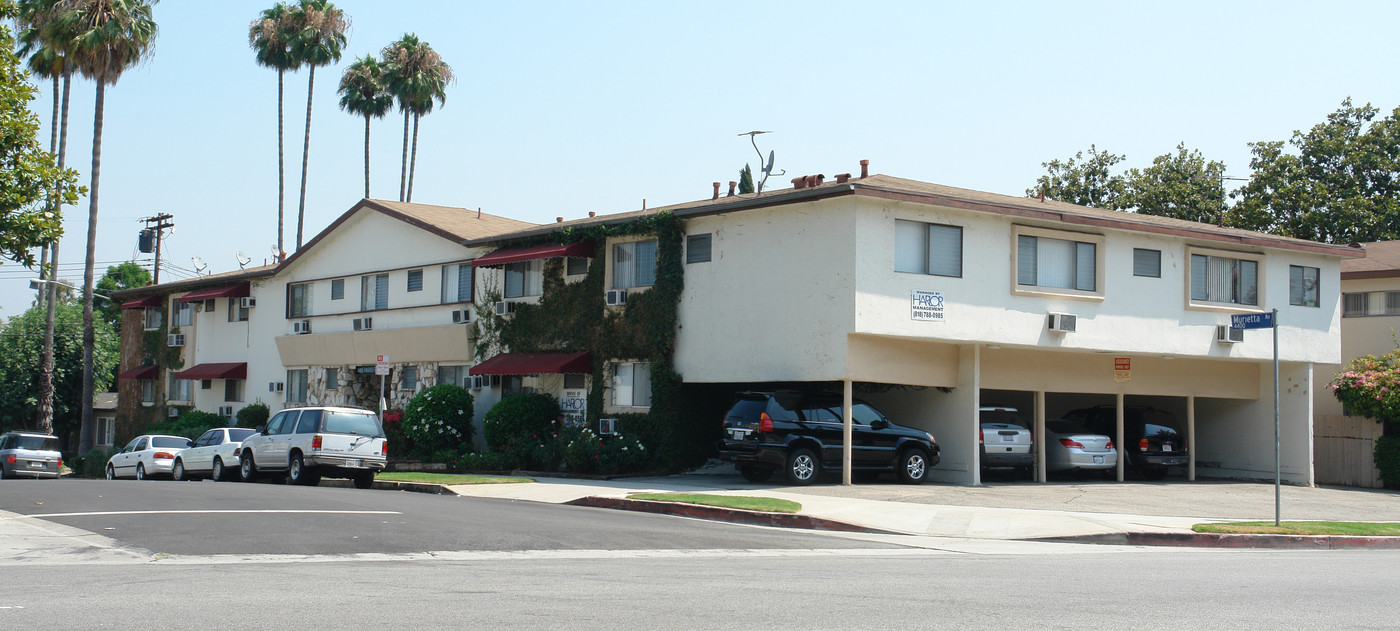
(1252, 321)
(381, 365)
(1122, 369)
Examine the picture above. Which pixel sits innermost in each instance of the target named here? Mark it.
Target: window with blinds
(1147, 263)
(634, 264)
(415, 280)
(338, 289)
(1303, 285)
(457, 282)
(1375, 303)
(374, 292)
(1056, 263)
(1224, 279)
(298, 300)
(927, 248)
(697, 248)
(525, 278)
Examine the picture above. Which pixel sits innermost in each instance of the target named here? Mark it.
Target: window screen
(697, 248)
(1147, 263)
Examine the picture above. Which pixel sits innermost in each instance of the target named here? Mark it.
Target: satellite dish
(768, 169)
(243, 259)
(276, 254)
(199, 264)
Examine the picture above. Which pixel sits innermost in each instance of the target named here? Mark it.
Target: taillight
(1072, 444)
(316, 441)
(979, 436)
(60, 463)
(1142, 445)
(765, 422)
(10, 458)
(163, 455)
(1109, 445)
(385, 449)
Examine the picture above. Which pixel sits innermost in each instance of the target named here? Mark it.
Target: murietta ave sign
(1252, 321)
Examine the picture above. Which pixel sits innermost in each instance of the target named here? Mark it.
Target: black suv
(1152, 439)
(801, 435)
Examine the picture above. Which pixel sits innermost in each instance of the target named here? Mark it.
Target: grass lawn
(1303, 528)
(742, 502)
(448, 478)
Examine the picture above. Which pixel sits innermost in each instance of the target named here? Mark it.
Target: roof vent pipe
(864, 169)
(799, 182)
(732, 184)
(592, 214)
(716, 195)
(842, 178)
(558, 220)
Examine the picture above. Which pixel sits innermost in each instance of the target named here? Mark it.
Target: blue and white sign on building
(927, 305)
(1252, 321)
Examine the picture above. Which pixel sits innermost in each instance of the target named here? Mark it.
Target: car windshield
(169, 442)
(352, 423)
(239, 435)
(37, 443)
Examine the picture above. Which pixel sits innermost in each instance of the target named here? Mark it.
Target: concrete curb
(758, 518)
(1219, 540)
(390, 485)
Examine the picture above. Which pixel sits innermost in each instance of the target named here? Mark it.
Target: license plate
(354, 463)
(1166, 447)
(1008, 439)
(738, 434)
(36, 465)
(1098, 459)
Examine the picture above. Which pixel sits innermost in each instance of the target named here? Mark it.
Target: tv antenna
(199, 265)
(243, 259)
(767, 168)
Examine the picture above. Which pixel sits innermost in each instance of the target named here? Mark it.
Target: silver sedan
(1070, 445)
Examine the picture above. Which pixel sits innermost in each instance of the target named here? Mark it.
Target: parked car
(29, 455)
(1070, 445)
(212, 455)
(1004, 440)
(801, 435)
(1152, 438)
(305, 444)
(146, 456)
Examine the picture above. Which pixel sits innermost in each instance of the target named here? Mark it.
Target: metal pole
(1278, 469)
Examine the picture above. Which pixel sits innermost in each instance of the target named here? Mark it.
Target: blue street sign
(1252, 321)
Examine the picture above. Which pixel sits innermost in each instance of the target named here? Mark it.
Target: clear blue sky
(561, 108)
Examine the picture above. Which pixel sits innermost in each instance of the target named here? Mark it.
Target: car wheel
(802, 467)
(140, 471)
(1155, 474)
(247, 471)
(111, 472)
(177, 472)
(217, 473)
(364, 480)
(299, 473)
(755, 474)
(913, 466)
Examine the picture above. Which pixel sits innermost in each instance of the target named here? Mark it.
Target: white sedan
(145, 456)
(1070, 445)
(212, 455)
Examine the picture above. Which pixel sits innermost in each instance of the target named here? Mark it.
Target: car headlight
(930, 438)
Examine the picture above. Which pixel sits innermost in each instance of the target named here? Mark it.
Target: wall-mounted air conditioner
(247, 302)
(362, 324)
(1061, 322)
(172, 412)
(617, 297)
(462, 316)
(505, 307)
(226, 411)
(301, 328)
(175, 339)
(1226, 335)
(479, 381)
(276, 386)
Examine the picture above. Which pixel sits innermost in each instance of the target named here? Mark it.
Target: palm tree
(362, 92)
(417, 77)
(319, 40)
(110, 37)
(270, 37)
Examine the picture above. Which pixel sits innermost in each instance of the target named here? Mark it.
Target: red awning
(535, 364)
(148, 301)
(144, 372)
(230, 291)
(231, 370)
(516, 255)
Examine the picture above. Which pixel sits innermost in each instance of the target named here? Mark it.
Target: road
(374, 559)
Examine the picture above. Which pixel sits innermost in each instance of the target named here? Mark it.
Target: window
(233, 390)
(925, 248)
(151, 319)
(457, 282)
(296, 386)
(1302, 285)
(179, 389)
(332, 378)
(1147, 263)
(1376, 303)
(1058, 263)
(576, 266)
(1224, 279)
(106, 431)
(236, 311)
(374, 292)
(338, 289)
(525, 278)
(209, 305)
(634, 264)
(632, 384)
(453, 375)
(184, 313)
(309, 422)
(298, 300)
(148, 391)
(409, 378)
(575, 382)
(415, 280)
(206, 384)
(697, 248)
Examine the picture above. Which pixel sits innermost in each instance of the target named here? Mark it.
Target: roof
(901, 189)
(535, 364)
(240, 290)
(515, 255)
(190, 284)
(1382, 261)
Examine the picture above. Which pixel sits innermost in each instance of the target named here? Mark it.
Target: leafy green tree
(745, 180)
(1340, 184)
(1087, 182)
(417, 77)
(363, 93)
(270, 36)
(1181, 185)
(121, 276)
(21, 350)
(319, 40)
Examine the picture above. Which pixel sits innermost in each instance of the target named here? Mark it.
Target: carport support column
(1118, 437)
(846, 432)
(1040, 432)
(1191, 437)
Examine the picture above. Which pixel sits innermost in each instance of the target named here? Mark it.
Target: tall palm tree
(110, 37)
(48, 50)
(318, 42)
(362, 92)
(270, 36)
(417, 77)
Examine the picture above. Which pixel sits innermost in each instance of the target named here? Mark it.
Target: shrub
(1387, 458)
(587, 452)
(520, 420)
(437, 420)
(253, 415)
(489, 461)
(94, 463)
(190, 424)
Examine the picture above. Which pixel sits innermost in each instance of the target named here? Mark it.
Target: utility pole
(162, 222)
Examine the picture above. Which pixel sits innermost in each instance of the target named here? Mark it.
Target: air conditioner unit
(301, 328)
(1226, 335)
(505, 307)
(607, 426)
(1062, 322)
(462, 316)
(247, 302)
(226, 411)
(172, 412)
(175, 339)
(479, 381)
(276, 386)
(362, 324)
(617, 297)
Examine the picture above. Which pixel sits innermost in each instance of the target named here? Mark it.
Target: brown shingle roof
(1382, 260)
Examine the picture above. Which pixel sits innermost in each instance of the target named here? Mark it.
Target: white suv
(308, 443)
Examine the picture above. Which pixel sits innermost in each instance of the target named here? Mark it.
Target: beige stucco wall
(1366, 335)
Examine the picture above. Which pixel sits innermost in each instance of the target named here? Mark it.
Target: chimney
(716, 195)
(732, 184)
(799, 182)
(558, 220)
(842, 178)
(864, 169)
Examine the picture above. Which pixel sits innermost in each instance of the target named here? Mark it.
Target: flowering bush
(437, 420)
(1370, 387)
(588, 452)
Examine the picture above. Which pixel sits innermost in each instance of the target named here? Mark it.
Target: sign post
(381, 368)
(1268, 321)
